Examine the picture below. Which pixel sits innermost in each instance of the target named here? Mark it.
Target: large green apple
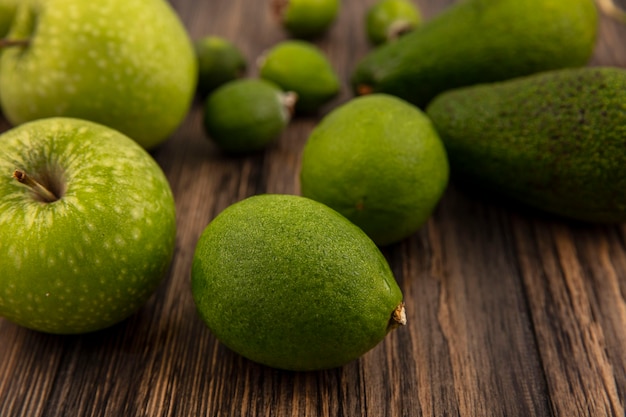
(127, 64)
(87, 226)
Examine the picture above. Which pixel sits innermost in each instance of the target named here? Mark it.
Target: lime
(306, 18)
(219, 61)
(301, 67)
(288, 282)
(389, 19)
(246, 115)
(378, 161)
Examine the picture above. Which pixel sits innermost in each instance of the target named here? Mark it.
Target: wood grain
(511, 312)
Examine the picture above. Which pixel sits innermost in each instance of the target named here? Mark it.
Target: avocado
(480, 41)
(555, 140)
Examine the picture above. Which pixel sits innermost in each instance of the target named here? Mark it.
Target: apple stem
(39, 189)
(6, 43)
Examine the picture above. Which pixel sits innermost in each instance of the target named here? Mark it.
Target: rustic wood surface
(510, 312)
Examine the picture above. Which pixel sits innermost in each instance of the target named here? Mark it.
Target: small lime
(378, 161)
(306, 18)
(288, 282)
(301, 67)
(390, 19)
(245, 115)
(219, 61)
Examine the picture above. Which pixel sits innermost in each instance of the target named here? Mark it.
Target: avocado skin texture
(479, 41)
(555, 141)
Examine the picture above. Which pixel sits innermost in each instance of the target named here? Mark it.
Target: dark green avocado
(555, 141)
(479, 41)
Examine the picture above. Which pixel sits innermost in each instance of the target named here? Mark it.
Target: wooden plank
(568, 322)
(481, 312)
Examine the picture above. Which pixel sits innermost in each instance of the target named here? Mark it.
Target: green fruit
(301, 67)
(555, 141)
(219, 61)
(7, 12)
(127, 64)
(387, 20)
(477, 41)
(383, 170)
(246, 115)
(289, 283)
(87, 226)
(306, 18)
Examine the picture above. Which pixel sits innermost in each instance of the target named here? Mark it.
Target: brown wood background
(511, 312)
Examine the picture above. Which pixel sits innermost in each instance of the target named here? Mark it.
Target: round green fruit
(306, 18)
(219, 61)
(246, 115)
(378, 161)
(288, 282)
(389, 19)
(301, 67)
(127, 64)
(87, 226)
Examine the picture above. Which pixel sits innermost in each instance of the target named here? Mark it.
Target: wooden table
(510, 312)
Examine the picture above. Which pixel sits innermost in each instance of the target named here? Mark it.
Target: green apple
(7, 11)
(127, 64)
(87, 226)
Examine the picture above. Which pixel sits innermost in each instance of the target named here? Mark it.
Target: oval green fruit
(288, 282)
(555, 141)
(219, 61)
(246, 115)
(378, 161)
(469, 43)
(306, 18)
(389, 19)
(303, 68)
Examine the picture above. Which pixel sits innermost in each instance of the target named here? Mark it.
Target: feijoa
(247, 114)
(288, 282)
(306, 18)
(219, 61)
(303, 68)
(378, 161)
(389, 19)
